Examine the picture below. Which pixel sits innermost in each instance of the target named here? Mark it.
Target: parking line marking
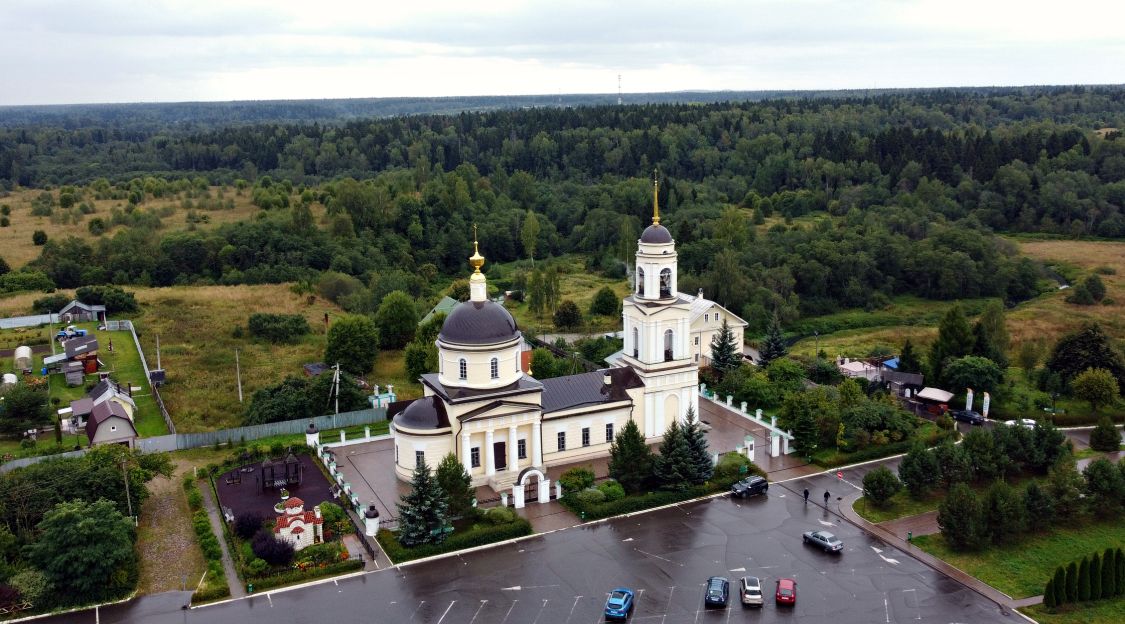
(446, 612)
(576, 599)
(270, 598)
(540, 614)
(482, 603)
(509, 611)
(669, 605)
(648, 554)
(887, 608)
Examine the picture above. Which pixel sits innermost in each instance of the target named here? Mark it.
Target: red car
(786, 591)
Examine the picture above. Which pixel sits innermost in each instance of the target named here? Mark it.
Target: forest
(794, 205)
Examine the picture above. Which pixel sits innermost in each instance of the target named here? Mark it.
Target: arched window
(665, 283)
(667, 345)
(636, 343)
(640, 281)
(495, 367)
(463, 369)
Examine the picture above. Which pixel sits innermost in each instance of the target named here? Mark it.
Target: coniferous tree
(1072, 582)
(1120, 557)
(1039, 507)
(456, 484)
(630, 459)
(673, 466)
(1049, 594)
(725, 352)
(1109, 573)
(1095, 577)
(1004, 513)
(961, 519)
(701, 465)
(919, 471)
(773, 346)
(1060, 585)
(422, 513)
(955, 339)
(1084, 580)
(990, 335)
(908, 361)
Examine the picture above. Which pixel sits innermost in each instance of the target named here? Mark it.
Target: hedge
(837, 458)
(640, 502)
(216, 586)
(298, 576)
(478, 535)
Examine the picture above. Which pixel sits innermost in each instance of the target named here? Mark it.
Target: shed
(23, 358)
(9, 380)
(54, 362)
(76, 311)
(109, 424)
(936, 395)
(81, 347)
(75, 372)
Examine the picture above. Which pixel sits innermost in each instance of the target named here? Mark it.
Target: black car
(750, 486)
(718, 592)
(969, 416)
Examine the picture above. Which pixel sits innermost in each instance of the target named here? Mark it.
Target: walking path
(236, 588)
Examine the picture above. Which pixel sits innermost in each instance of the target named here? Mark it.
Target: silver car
(750, 591)
(827, 541)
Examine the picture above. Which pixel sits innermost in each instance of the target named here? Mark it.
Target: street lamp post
(816, 339)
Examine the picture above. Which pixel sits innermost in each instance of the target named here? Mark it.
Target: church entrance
(531, 489)
(500, 453)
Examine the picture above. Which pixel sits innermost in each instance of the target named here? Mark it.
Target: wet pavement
(666, 555)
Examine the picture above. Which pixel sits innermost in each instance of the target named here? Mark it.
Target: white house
(299, 527)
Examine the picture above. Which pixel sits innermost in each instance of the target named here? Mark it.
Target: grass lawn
(576, 284)
(900, 505)
(1100, 612)
(1021, 570)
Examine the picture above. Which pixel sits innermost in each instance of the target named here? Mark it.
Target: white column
(517, 495)
(544, 491)
(489, 453)
(466, 452)
(536, 444)
(513, 450)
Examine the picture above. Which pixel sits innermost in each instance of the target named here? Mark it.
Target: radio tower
(619, 89)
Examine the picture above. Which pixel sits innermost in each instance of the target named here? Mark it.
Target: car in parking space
(825, 540)
(750, 590)
(620, 604)
(786, 591)
(1027, 423)
(970, 416)
(750, 486)
(717, 593)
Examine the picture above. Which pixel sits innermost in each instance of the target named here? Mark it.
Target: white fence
(779, 438)
(181, 441)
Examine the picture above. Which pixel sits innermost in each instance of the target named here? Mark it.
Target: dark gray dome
(656, 234)
(478, 323)
(424, 413)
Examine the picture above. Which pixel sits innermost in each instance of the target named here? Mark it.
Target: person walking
(806, 496)
(826, 497)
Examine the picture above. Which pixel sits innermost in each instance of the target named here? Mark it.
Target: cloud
(118, 50)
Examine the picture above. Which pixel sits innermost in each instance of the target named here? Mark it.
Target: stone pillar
(503, 499)
(536, 444)
(785, 443)
(367, 432)
(513, 450)
(466, 452)
(545, 491)
(517, 495)
(775, 444)
(743, 407)
(343, 438)
(371, 521)
(703, 389)
(489, 452)
(312, 435)
(750, 447)
(347, 488)
(773, 421)
(729, 399)
(558, 490)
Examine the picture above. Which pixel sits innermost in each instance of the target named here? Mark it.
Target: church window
(697, 341)
(668, 345)
(462, 369)
(474, 457)
(521, 449)
(640, 281)
(636, 343)
(706, 317)
(419, 458)
(696, 357)
(562, 440)
(665, 283)
(609, 432)
(585, 436)
(495, 367)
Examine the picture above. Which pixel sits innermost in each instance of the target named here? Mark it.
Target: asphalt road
(563, 577)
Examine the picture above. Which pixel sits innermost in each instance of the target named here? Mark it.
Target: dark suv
(750, 486)
(718, 592)
(969, 416)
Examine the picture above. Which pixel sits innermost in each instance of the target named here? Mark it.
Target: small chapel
(507, 427)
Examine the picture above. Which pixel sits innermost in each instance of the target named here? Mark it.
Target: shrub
(612, 490)
(576, 480)
(321, 553)
(730, 469)
(500, 515)
(478, 535)
(641, 502)
(1105, 437)
(568, 316)
(247, 525)
(278, 328)
(257, 567)
(39, 238)
(32, 585)
(195, 500)
(879, 485)
(274, 551)
(589, 496)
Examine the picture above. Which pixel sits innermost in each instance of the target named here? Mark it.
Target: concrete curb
(73, 610)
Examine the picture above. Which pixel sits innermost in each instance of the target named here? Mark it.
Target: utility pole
(158, 367)
(238, 375)
(128, 498)
(336, 381)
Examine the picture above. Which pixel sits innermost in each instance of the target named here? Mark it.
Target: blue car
(619, 605)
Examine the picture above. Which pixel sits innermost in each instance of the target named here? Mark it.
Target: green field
(1100, 612)
(1021, 570)
(900, 505)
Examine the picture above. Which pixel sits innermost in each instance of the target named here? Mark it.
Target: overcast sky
(65, 51)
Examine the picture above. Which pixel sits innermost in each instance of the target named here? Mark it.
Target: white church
(507, 427)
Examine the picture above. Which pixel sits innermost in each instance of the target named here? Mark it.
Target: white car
(750, 589)
(1023, 422)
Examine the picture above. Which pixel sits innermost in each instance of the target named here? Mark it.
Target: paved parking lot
(563, 577)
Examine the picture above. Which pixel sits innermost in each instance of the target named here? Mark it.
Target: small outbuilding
(23, 359)
(78, 312)
(75, 372)
(83, 349)
(109, 424)
(8, 380)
